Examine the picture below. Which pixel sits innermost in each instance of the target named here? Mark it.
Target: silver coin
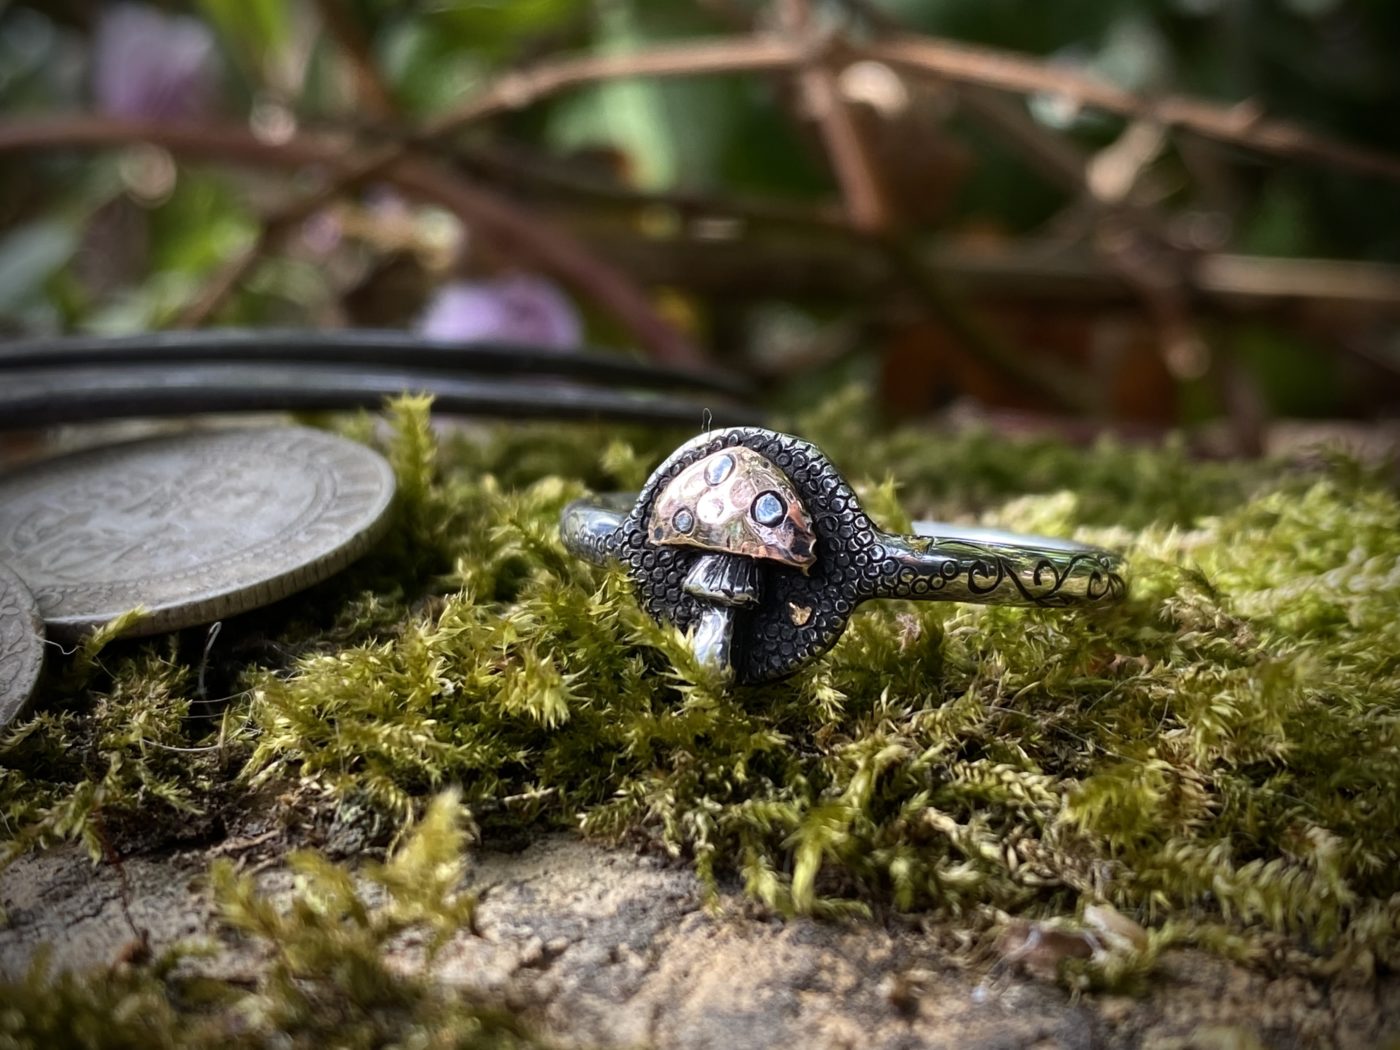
(21, 645)
(193, 527)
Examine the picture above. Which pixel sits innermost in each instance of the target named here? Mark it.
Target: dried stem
(867, 205)
(370, 86)
(520, 88)
(832, 264)
(1060, 161)
(534, 174)
(871, 213)
(1242, 125)
(511, 91)
(1239, 125)
(273, 229)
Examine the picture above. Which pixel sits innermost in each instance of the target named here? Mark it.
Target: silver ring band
(752, 541)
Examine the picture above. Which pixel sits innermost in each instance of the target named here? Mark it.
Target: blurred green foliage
(115, 242)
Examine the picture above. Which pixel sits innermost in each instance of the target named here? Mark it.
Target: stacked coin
(21, 645)
(190, 527)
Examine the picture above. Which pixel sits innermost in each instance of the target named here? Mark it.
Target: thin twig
(520, 88)
(219, 288)
(1242, 125)
(524, 171)
(373, 90)
(1126, 234)
(554, 251)
(1130, 240)
(867, 204)
(1052, 155)
(1115, 172)
(112, 857)
(870, 212)
(513, 90)
(275, 227)
(1238, 125)
(213, 636)
(830, 263)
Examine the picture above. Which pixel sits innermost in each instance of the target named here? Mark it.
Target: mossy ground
(1218, 758)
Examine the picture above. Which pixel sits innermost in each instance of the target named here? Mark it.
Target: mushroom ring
(752, 544)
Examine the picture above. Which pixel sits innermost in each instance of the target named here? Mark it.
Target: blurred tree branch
(373, 90)
(378, 101)
(779, 232)
(824, 263)
(868, 207)
(492, 215)
(813, 57)
(272, 229)
(871, 212)
(1241, 125)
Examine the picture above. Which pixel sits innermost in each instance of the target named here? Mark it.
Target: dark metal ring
(753, 544)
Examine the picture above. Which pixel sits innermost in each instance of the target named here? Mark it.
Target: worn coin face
(21, 645)
(193, 527)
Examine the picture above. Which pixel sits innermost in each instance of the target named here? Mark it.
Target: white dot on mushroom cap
(691, 485)
(711, 510)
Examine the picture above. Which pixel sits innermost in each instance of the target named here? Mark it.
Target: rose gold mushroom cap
(737, 502)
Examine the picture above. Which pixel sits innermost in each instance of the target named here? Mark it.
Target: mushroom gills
(724, 579)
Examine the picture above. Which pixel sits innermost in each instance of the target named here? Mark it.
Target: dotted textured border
(768, 644)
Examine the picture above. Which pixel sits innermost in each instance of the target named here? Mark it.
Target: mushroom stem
(713, 638)
(725, 583)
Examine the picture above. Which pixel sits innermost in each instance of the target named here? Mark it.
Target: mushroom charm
(750, 543)
(741, 508)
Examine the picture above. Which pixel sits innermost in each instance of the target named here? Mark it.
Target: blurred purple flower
(148, 65)
(323, 232)
(519, 308)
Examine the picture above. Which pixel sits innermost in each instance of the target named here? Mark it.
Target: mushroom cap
(737, 502)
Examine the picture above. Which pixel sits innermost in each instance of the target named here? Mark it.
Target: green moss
(1217, 757)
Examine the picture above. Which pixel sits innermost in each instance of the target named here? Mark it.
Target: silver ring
(752, 543)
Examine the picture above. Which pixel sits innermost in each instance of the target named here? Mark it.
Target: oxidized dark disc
(193, 527)
(21, 645)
